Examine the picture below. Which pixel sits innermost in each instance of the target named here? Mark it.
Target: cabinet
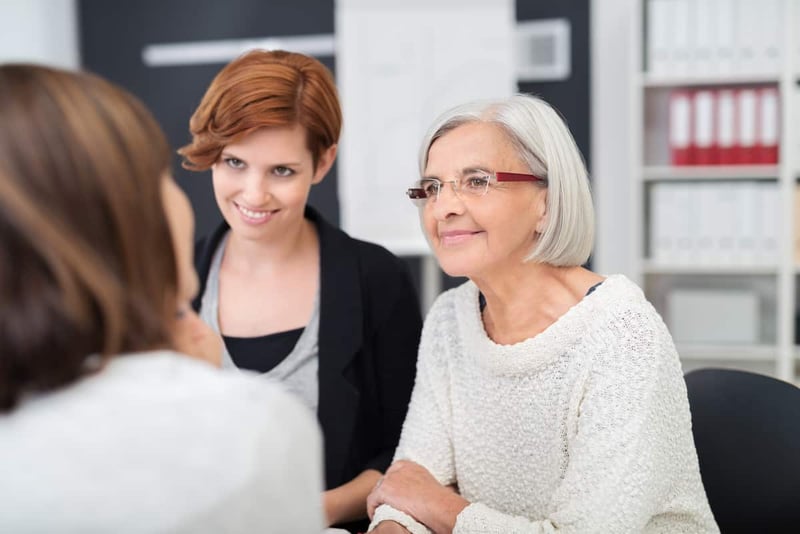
(714, 156)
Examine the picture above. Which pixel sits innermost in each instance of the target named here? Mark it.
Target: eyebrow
(466, 170)
(225, 153)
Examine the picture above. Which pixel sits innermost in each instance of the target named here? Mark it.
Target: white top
(159, 442)
(582, 428)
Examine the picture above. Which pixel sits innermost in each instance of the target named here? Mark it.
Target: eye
(282, 171)
(430, 186)
(234, 163)
(476, 182)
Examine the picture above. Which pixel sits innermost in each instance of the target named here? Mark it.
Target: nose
(448, 202)
(255, 189)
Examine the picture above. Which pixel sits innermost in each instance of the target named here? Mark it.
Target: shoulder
(255, 397)
(628, 331)
(205, 247)
(232, 398)
(448, 309)
(621, 305)
(446, 304)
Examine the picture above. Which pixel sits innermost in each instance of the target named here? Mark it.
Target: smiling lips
(456, 237)
(255, 216)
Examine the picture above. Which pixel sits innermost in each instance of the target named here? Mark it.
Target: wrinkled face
(479, 236)
(262, 182)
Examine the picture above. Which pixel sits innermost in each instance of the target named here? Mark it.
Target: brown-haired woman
(104, 426)
(334, 318)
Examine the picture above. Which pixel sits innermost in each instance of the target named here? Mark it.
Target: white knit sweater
(582, 428)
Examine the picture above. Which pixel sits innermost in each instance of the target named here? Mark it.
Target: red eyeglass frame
(417, 193)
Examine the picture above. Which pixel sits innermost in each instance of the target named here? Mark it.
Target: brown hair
(263, 89)
(87, 264)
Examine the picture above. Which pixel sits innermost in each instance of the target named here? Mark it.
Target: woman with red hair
(335, 319)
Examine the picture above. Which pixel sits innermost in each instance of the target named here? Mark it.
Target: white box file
(713, 316)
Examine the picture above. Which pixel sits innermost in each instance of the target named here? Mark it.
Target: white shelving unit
(775, 283)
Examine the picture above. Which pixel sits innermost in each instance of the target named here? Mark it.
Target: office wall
(39, 31)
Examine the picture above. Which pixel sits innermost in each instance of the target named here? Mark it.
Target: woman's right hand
(389, 527)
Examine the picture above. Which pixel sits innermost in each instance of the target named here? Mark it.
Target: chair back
(746, 430)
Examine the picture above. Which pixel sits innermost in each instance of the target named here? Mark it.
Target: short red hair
(263, 89)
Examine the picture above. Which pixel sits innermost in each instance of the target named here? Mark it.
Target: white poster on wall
(398, 66)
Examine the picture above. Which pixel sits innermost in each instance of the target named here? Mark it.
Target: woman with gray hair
(548, 398)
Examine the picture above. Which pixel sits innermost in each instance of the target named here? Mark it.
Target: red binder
(680, 127)
(747, 125)
(704, 147)
(725, 126)
(768, 126)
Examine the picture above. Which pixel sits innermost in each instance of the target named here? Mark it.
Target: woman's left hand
(193, 337)
(409, 487)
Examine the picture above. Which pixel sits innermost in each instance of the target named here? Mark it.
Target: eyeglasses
(470, 185)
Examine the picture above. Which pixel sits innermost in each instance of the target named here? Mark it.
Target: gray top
(298, 371)
(158, 442)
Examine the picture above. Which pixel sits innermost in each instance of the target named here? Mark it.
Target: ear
(324, 163)
(541, 209)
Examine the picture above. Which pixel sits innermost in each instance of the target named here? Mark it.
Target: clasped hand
(410, 488)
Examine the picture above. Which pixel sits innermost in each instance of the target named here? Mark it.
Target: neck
(291, 245)
(524, 300)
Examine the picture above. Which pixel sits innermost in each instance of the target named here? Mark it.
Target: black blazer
(369, 329)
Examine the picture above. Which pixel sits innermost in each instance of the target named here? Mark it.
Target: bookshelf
(692, 224)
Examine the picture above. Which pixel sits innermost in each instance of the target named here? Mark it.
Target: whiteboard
(399, 64)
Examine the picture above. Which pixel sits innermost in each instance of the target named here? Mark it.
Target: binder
(687, 221)
(658, 40)
(748, 35)
(725, 126)
(748, 222)
(746, 122)
(680, 127)
(678, 32)
(768, 28)
(704, 36)
(725, 216)
(797, 225)
(768, 248)
(707, 225)
(704, 145)
(661, 211)
(768, 126)
(725, 51)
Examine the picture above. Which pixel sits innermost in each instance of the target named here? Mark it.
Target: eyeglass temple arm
(518, 177)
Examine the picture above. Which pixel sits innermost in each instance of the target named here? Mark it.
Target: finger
(372, 504)
(395, 466)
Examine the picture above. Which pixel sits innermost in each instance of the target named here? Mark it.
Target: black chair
(746, 430)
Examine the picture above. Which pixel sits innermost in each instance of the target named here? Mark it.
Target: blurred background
(686, 112)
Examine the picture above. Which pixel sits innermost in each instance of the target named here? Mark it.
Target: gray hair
(545, 144)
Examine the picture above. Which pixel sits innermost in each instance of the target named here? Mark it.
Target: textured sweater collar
(567, 331)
